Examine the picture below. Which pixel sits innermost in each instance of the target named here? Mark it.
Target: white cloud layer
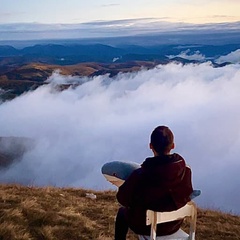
(233, 57)
(114, 28)
(78, 130)
(187, 55)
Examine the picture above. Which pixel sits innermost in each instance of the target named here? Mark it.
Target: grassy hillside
(66, 213)
(19, 78)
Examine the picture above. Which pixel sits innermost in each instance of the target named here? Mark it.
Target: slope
(66, 213)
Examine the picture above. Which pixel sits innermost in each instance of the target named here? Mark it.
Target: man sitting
(162, 183)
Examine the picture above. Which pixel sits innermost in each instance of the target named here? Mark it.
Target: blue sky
(78, 11)
(34, 19)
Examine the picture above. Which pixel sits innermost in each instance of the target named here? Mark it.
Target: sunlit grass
(66, 213)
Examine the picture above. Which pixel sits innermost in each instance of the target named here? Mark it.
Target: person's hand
(118, 182)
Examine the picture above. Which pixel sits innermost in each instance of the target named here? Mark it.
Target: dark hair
(162, 139)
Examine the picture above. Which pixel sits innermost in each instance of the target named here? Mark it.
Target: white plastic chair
(154, 218)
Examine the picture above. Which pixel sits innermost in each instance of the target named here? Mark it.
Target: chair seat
(179, 235)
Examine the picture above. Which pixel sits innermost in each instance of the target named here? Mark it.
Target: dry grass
(65, 213)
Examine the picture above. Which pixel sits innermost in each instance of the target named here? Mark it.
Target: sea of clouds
(103, 119)
(232, 57)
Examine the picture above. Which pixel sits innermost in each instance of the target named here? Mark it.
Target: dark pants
(121, 225)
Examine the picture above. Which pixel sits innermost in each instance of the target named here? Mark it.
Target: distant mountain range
(27, 68)
(64, 54)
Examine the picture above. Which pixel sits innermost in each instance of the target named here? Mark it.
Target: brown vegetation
(17, 79)
(39, 72)
(65, 213)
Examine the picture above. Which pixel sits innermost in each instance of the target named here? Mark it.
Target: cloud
(110, 5)
(233, 57)
(187, 55)
(221, 16)
(104, 119)
(4, 15)
(113, 28)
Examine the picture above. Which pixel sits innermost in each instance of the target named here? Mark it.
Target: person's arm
(127, 190)
(182, 191)
(188, 181)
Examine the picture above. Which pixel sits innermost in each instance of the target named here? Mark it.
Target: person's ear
(150, 146)
(173, 146)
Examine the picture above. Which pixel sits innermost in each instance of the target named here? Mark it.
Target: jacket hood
(167, 169)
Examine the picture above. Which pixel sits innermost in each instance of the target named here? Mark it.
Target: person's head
(162, 140)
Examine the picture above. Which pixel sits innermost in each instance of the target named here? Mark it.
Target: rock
(12, 149)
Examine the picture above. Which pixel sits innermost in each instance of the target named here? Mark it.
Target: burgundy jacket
(163, 183)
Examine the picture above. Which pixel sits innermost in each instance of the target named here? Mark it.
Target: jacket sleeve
(189, 186)
(181, 192)
(125, 194)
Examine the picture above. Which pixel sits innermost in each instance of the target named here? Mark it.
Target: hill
(65, 213)
(12, 149)
(17, 79)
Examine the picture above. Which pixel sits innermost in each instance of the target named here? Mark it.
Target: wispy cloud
(224, 17)
(233, 57)
(189, 56)
(221, 16)
(110, 5)
(114, 28)
(4, 15)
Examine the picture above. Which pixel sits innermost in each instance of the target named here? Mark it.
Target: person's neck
(160, 154)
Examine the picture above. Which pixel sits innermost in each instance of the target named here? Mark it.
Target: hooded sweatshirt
(163, 183)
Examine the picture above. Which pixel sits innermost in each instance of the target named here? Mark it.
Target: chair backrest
(189, 210)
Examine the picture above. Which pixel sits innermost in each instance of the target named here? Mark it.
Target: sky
(79, 11)
(78, 130)
(48, 19)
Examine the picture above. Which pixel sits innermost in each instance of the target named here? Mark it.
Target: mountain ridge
(19, 79)
(68, 54)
